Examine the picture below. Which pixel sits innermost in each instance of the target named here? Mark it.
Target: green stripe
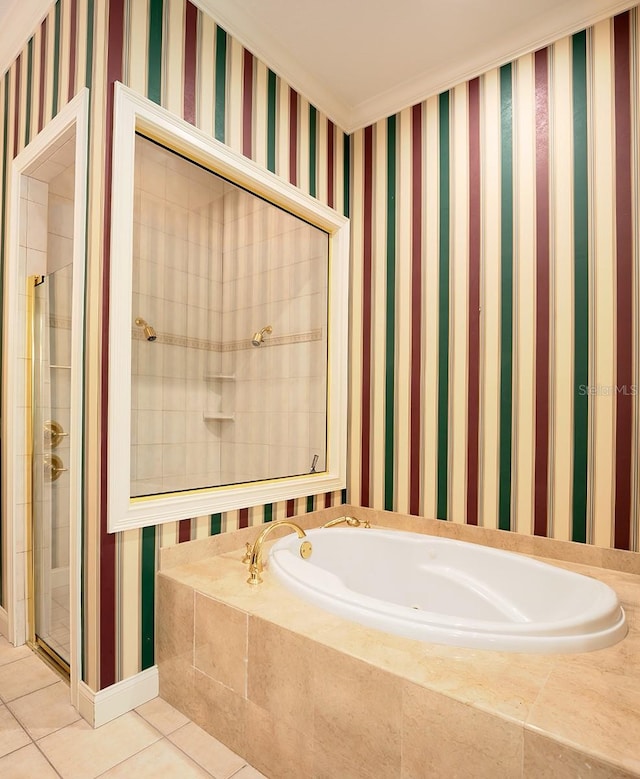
(221, 83)
(345, 173)
(268, 512)
(27, 129)
(581, 287)
(506, 295)
(3, 219)
(344, 496)
(88, 71)
(313, 121)
(443, 315)
(148, 576)
(271, 121)
(56, 61)
(310, 503)
(154, 63)
(215, 525)
(389, 428)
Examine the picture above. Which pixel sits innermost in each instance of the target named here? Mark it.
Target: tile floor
(42, 735)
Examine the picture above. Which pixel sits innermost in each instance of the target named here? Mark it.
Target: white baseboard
(4, 623)
(98, 708)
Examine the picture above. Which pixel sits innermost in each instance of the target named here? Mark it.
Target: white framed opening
(38, 162)
(135, 116)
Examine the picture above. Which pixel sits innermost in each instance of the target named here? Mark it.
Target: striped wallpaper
(495, 304)
(495, 336)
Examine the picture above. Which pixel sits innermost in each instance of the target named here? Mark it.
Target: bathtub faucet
(351, 521)
(254, 553)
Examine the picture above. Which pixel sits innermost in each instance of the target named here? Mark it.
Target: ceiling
(361, 60)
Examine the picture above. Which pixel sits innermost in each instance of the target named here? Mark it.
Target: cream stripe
(260, 101)
(322, 192)
(22, 99)
(490, 301)
(303, 144)
(604, 302)
(173, 59)
(205, 73)
(282, 130)
(459, 281)
(48, 95)
(232, 521)
(138, 45)
(234, 92)
(279, 511)
(379, 267)
(355, 324)
(403, 314)
(129, 605)
(524, 297)
(338, 146)
(35, 81)
(561, 355)
(430, 253)
(168, 534)
(81, 54)
(202, 527)
(65, 53)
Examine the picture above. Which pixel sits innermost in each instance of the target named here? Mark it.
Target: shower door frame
(15, 424)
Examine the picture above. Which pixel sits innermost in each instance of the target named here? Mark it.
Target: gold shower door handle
(53, 467)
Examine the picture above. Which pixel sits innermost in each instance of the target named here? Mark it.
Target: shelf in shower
(65, 367)
(219, 377)
(218, 415)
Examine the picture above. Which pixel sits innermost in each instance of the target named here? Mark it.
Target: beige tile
(357, 718)
(442, 737)
(162, 716)
(12, 734)
(591, 707)
(80, 752)
(25, 676)
(177, 685)
(45, 710)
(207, 751)
(277, 748)
(280, 672)
(221, 642)
(219, 711)
(160, 759)
(10, 653)
(248, 772)
(546, 757)
(26, 763)
(174, 620)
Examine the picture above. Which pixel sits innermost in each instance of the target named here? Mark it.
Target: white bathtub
(449, 592)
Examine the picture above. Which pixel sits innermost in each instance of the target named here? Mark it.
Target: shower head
(149, 332)
(258, 337)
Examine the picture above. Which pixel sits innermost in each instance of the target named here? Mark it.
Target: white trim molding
(98, 708)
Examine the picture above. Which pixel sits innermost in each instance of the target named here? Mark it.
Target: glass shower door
(51, 392)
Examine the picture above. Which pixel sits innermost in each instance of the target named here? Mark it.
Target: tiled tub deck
(300, 693)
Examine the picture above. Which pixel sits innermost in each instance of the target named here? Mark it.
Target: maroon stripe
(107, 540)
(331, 170)
(291, 507)
(624, 281)
(190, 48)
(293, 137)
(16, 117)
(73, 43)
(328, 499)
(43, 57)
(365, 441)
(416, 310)
(541, 463)
(247, 103)
(475, 239)
(184, 530)
(243, 520)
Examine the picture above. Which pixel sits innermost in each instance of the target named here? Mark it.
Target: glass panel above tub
(229, 332)
(228, 328)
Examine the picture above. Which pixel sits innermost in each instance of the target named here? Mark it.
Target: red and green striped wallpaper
(495, 301)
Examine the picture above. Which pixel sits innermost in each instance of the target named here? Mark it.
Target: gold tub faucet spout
(350, 521)
(254, 553)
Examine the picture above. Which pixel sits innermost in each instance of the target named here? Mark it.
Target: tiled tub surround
(299, 692)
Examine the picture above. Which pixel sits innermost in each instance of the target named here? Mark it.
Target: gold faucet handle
(247, 553)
